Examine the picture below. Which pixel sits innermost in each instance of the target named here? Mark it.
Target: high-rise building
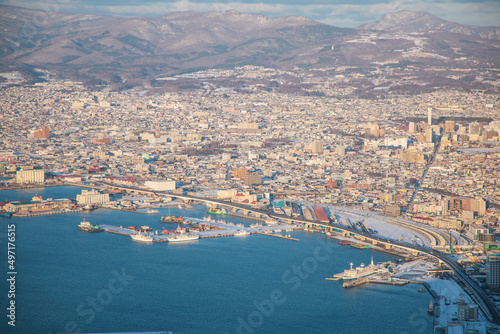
(240, 172)
(429, 116)
(493, 269)
(340, 150)
(252, 179)
(429, 135)
(44, 133)
(449, 126)
(317, 147)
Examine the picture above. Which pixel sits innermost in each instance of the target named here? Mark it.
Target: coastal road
(488, 307)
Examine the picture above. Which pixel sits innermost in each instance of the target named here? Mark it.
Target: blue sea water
(70, 281)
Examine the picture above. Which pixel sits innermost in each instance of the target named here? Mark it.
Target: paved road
(429, 163)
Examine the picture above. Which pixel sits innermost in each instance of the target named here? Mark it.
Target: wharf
(365, 280)
(234, 214)
(223, 230)
(127, 232)
(45, 213)
(216, 236)
(276, 236)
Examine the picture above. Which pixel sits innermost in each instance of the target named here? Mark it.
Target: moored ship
(182, 238)
(88, 227)
(5, 214)
(358, 272)
(171, 219)
(142, 237)
(359, 246)
(241, 234)
(216, 211)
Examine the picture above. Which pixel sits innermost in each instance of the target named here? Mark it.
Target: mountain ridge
(117, 50)
(411, 22)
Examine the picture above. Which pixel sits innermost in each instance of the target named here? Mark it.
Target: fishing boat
(359, 246)
(241, 234)
(88, 227)
(214, 210)
(430, 308)
(171, 219)
(142, 237)
(183, 238)
(271, 221)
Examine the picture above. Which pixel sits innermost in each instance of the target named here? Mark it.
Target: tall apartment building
(449, 126)
(317, 147)
(30, 176)
(252, 179)
(493, 269)
(240, 172)
(44, 133)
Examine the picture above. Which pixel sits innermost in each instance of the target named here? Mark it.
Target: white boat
(430, 308)
(142, 237)
(271, 221)
(152, 211)
(241, 234)
(358, 272)
(182, 238)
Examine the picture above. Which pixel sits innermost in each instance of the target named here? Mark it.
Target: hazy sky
(342, 13)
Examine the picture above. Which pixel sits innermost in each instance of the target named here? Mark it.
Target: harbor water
(71, 281)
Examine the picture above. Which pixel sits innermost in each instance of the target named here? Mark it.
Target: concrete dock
(224, 229)
(277, 236)
(364, 280)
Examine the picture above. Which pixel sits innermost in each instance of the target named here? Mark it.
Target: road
(429, 163)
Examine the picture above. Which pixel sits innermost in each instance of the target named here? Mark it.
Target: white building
(30, 176)
(88, 197)
(161, 185)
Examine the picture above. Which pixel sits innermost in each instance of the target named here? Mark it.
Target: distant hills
(414, 22)
(96, 48)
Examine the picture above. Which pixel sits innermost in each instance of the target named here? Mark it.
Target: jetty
(364, 280)
(219, 229)
(277, 236)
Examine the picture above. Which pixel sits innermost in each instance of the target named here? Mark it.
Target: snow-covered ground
(446, 306)
(380, 224)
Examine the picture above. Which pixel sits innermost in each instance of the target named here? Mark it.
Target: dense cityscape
(430, 159)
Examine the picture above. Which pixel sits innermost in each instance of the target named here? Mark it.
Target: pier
(45, 213)
(364, 280)
(277, 236)
(223, 230)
